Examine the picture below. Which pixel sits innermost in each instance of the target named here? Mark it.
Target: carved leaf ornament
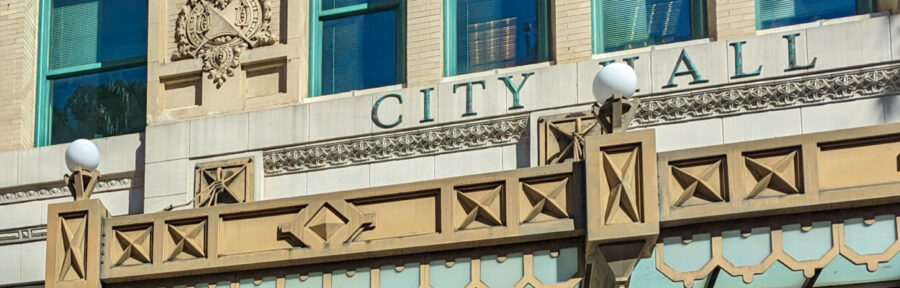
(218, 31)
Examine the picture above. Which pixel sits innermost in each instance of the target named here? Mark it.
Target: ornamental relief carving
(218, 31)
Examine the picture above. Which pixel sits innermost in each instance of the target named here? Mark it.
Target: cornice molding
(790, 93)
(58, 189)
(453, 138)
(22, 235)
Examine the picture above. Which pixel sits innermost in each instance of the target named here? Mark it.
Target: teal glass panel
(742, 251)
(687, 257)
(501, 274)
(408, 278)
(223, 284)
(267, 282)
(359, 52)
(332, 4)
(645, 274)
(870, 239)
(492, 34)
(777, 13)
(631, 24)
(560, 269)
(457, 276)
(808, 245)
(313, 280)
(843, 272)
(777, 276)
(98, 105)
(93, 31)
(360, 279)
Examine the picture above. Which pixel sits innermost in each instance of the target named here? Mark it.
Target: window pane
(631, 24)
(331, 4)
(91, 31)
(359, 52)
(493, 34)
(777, 13)
(98, 105)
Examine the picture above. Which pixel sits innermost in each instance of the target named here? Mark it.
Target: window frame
(43, 122)
(862, 7)
(317, 16)
(698, 15)
(450, 53)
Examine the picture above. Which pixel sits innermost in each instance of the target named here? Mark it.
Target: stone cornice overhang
(769, 94)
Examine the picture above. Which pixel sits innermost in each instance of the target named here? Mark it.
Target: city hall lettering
(684, 66)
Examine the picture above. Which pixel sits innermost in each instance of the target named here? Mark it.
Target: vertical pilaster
(571, 30)
(424, 42)
(733, 18)
(74, 232)
(18, 65)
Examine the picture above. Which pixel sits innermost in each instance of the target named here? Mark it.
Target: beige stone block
(857, 42)
(168, 141)
(173, 177)
(690, 134)
(401, 171)
(121, 202)
(708, 58)
(34, 259)
(21, 214)
(895, 40)
(279, 126)
(123, 153)
(770, 51)
(219, 135)
(588, 69)
(181, 92)
(11, 272)
(756, 126)
(264, 79)
(46, 203)
(284, 186)
(29, 166)
(335, 118)
(842, 115)
(9, 160)
(157, 204)
(488, 98)
(412, 109)
(338, 179)
(468, 162)
(547, 87)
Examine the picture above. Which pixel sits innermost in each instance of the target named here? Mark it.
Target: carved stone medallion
(218, 31)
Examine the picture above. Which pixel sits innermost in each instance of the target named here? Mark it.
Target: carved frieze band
(58, 189)
(21, 235)
(845, 85)
(396, 146)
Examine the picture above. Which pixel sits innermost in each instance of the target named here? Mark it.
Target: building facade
(450, 143)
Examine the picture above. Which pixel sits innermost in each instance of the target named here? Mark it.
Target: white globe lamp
(614, 79)
(82, 154)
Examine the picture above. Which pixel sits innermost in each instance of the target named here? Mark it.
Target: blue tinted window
(92, 31)
(99, 104)
(777, 13)
(331, 4)
(631, 24)
(359, 52)
(493, 34)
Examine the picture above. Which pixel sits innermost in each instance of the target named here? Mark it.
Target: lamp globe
(612, 79)
(82, 154)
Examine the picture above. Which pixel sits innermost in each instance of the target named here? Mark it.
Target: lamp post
(613, 86)
(82, 159)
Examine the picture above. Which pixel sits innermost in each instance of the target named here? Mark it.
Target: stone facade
(455, 138)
